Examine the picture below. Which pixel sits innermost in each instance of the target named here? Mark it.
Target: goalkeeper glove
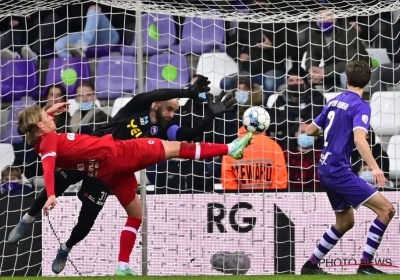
(222, 104)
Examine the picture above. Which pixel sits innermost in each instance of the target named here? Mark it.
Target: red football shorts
(132, 156)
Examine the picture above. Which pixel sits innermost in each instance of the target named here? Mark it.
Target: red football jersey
(85, 153)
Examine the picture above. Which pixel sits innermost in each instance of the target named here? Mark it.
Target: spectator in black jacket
(261, 50)
(298, 103)
(388, 74)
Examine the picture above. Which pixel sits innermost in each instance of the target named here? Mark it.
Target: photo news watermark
(339, 262)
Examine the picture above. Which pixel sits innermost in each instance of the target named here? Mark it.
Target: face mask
(241, 97)
(203, 95)
(325, 27)
(305, 141)
(296, 89)
(9, 187)
(85, 106)
(367, 176)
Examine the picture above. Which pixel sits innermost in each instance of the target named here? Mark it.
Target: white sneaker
(77, 50)
(8, 55)
(28, 53)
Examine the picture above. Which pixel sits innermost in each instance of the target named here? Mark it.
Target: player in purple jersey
(344, 122)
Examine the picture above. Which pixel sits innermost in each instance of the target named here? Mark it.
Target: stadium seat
(272, 99)
(115, 75)
(70, 69)
(200, 35)
(6, 155)
(329, 95)
(158, 34)
(73, 107)
(394, 157)
(118, 104)
(216, 66)
(385, 113)
(18, 78)
(11, 134)
(167, 71)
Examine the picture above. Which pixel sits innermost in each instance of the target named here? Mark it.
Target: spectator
(365, 173)
(302, 160)
(11, 182)
(335, 44)
(97, 31)
(247, 94)
(378, 153)
(87, 117)
(262, 167)
(261, 50)
(298, 103)
(31, 35)
(56, 94)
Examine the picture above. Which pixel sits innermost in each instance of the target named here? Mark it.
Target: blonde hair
(27, 122)
(11, 171)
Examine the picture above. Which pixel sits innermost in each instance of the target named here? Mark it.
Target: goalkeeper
(146, 115)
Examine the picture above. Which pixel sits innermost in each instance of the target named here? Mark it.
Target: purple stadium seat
(115, 75)
(200, 35)
(18, 77)
(100, 51)
(11, 134)
(154, 25)
(57, 67)
(155, 78)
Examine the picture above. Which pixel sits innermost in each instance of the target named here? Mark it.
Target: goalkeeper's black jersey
(133, 121)
(133, 125)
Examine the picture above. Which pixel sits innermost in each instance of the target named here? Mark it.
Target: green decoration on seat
(169, 73)
(374, 62)
(69, 77)
(153, 32)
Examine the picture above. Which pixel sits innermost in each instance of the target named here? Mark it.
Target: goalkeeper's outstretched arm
(144, 100)
(222, 104)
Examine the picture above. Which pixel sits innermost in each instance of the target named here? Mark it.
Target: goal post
(196, 221)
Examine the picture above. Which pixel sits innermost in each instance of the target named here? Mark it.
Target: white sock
(231, 147)
(65, 248)
(28, 218)
(123, 265)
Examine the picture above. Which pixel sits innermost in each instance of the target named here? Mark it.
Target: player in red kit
(114, 162)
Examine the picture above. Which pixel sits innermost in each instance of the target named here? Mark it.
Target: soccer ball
(256, 119)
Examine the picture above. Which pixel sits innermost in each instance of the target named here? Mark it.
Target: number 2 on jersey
(331, 116)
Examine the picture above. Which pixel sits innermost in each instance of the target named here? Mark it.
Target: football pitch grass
(263, 277)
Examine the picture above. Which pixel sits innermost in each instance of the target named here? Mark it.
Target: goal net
(260, 215)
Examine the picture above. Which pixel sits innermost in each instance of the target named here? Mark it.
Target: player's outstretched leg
(207, 150)
(19, 230)
(344, 222)
(385, 211)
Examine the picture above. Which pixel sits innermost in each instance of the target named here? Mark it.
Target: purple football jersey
(339, 118)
